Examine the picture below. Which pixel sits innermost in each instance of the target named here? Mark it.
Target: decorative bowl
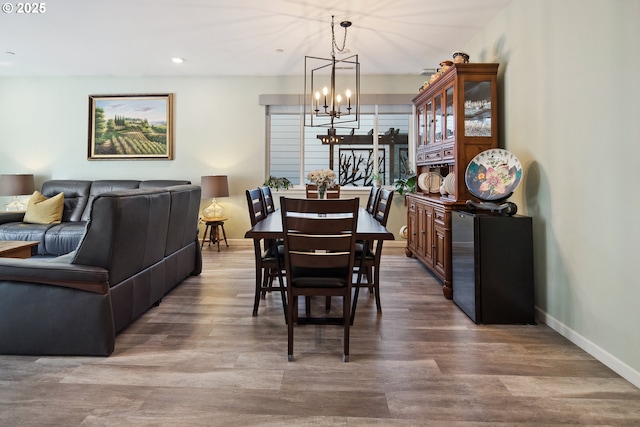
(460, 57)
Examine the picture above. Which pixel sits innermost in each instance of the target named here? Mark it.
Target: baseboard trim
(609, 360)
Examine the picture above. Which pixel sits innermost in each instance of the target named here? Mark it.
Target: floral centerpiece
(323, 178)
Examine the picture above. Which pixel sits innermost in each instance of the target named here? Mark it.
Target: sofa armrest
(11, 217)
(82, 277)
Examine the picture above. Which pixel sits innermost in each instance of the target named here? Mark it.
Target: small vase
(322, 192)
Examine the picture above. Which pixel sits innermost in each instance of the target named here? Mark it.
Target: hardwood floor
(201, 359)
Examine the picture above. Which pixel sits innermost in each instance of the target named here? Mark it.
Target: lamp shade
(16, 185)
(214, 186)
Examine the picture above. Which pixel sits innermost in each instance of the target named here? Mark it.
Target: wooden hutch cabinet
(457, 118)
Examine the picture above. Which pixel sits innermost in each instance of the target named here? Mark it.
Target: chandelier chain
(334, 45)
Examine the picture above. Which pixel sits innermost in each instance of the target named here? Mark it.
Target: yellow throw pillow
(43, 210)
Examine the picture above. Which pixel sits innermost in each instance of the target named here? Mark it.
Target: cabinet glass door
(450, 122)
(421, 126)
(429, 123)
(477, 108)
(438, 116)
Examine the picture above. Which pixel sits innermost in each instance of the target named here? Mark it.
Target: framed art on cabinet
(135, 127)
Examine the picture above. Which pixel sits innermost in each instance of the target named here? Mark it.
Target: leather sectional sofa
(136, 245)
(60, 239)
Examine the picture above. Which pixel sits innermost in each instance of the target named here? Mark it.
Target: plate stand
(506, 208)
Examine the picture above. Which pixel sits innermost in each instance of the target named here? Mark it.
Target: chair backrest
(373, 199)
(268, 200)
(383, 206)
(332, 192)
(319, 239)
(257, 211)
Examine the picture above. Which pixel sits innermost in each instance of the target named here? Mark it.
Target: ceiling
(237, 37)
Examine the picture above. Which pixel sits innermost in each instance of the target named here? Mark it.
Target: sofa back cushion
(162, 183)
(76, 196)
(126, 232)
(103, 186)
(183, 217)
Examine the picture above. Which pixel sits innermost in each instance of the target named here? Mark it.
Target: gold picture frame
(131, 127)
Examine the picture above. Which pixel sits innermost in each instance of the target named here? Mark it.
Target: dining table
(368, 227)
(368, 230)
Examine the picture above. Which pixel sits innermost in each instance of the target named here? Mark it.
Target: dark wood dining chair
(267, 198)
(368, 253)
(266, 253)
(373, 199)
(332, 192)
(319, 250)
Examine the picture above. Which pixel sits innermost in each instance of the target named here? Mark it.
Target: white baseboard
(609, 360)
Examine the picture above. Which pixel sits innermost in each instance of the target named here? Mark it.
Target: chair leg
(256, 300)
(376, 287)
(290, 310)
(346, 319)
(267, 281)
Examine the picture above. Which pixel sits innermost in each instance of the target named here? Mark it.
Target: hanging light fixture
(332, 89)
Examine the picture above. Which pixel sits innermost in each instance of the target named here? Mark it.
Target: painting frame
(130, 127)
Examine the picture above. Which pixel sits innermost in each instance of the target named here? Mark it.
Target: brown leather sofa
(137, 245)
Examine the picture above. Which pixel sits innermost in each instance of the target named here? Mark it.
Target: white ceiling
(236, 37)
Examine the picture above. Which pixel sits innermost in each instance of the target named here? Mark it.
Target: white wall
(570, 109)
(219, 129)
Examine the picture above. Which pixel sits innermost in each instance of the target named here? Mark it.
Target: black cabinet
(492, 263)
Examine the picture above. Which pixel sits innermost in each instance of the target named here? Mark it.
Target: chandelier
(332, 89)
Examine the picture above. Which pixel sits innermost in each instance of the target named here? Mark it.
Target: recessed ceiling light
(177, 60)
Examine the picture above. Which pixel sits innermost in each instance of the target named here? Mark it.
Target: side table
(213, 226)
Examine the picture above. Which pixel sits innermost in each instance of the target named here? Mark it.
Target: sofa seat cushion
(64, 238)
(25, 232)
(44, 210)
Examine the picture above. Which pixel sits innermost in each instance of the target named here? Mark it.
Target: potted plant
(277, 183)
(406, 185)
(376, 179)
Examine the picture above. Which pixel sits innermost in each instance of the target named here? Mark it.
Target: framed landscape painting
(125, 127)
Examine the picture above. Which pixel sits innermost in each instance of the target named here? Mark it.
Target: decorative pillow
(43, 210)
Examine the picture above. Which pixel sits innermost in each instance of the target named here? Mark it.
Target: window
(293, 149)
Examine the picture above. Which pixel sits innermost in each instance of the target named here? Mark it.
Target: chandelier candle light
(329, 107)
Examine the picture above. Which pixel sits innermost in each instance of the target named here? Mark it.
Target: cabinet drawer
(412, 206)
(433, 157)
(448, 153)
(438, 217)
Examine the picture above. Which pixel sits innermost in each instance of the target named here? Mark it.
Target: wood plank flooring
(201, 359)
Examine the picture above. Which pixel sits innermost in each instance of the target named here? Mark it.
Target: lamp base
(15, 205)
(214, 210)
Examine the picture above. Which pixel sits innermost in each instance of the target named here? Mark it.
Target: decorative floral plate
(493, 174)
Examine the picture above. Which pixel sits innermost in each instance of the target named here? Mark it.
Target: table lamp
(16, 185)
(214, 186)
